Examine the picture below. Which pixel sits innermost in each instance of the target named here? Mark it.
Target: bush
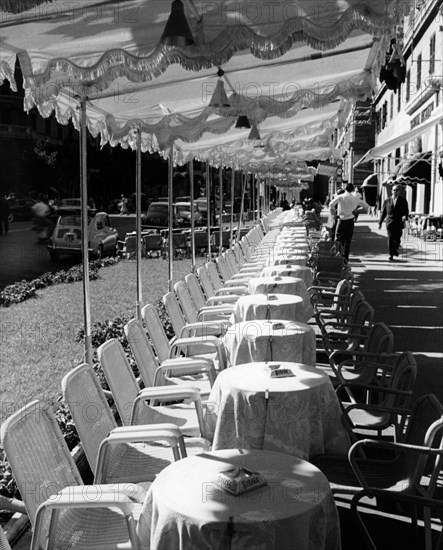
(23, 290)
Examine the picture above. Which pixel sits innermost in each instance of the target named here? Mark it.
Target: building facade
(409, 139)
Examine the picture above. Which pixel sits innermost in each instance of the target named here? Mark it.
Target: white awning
(384, 149)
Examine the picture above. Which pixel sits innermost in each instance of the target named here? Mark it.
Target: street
(22, 257)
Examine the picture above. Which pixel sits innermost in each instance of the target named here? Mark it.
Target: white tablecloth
(186, 509)
(283, 285)
(299, 259)
(262, 340)
(299, 415)
(270, 306)
(289, 270)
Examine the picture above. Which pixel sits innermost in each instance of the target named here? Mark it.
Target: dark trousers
(394, 239)
(4, 224)
(344, 232)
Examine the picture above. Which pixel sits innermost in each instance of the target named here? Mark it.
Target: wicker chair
(4, 544)
(203, 336)
(419, 467)
(61, 509)
(387, 401)
(197, 371)
(392, 470)
(357, 365)
(117, 455)
(206, 313)
(137, 407)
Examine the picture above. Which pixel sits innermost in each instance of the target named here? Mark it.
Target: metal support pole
(220, 178)
(85, 232)
(231, 237)
(191, 191)
(208, 206)
(138, 223)
(171, 215)
(253, 198)
(245, 177)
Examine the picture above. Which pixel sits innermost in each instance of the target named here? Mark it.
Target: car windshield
(158, 208)
(184, 209)
(71, 220)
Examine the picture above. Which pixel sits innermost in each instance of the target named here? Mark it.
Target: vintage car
(20, 209)
(157, 216)
(66, 237)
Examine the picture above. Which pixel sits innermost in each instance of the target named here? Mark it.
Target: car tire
(54, 255)
(99, 254)
(10, 217)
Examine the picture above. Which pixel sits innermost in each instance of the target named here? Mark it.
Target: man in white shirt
(347, 203)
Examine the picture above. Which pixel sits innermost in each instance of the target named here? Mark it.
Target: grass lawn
(38, 337)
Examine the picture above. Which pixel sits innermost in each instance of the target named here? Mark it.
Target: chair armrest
(182, 369)
(236, 283)
(143, 433)
(170, 393)
(386, 445)
(208, 328)
(210, 341)
(222, 299)
(356, 354)
(214, 313)
(239, 290)
(112, 496)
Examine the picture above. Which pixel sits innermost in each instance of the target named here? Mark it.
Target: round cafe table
(186, 507)
(270, 306)
(283, 285)
(284, 259)
(291, 248)
(277, 284)
(299, 414)
(263, 340)
(289, 270)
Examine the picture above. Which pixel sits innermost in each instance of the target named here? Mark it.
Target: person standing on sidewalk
(347, 204)
(396, 211)
(4, 215)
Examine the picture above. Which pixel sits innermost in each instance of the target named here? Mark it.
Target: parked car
(157, 216)
(21, 209)
(184, 213)
(69, 203)
(66, 237)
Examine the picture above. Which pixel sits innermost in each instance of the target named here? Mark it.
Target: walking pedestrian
(395, 211)
(123, 205)
(357, 194)
(4, 215)
(347, 204)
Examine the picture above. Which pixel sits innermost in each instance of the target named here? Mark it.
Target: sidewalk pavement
(407, 294)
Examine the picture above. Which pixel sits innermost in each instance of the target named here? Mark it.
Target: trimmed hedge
(23, 290)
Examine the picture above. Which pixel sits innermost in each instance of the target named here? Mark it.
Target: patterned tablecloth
(262, 340)
(270, 306)
(289, 270)
(283, 285)
(300, 415)
(186, 508)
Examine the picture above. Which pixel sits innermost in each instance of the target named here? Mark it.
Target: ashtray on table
(240, 480)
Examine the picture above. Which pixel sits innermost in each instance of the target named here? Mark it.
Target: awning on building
(416, 170)
(370, 181)
(382, 150)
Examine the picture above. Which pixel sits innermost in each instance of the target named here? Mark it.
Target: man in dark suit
(396, 211)
(4, 215)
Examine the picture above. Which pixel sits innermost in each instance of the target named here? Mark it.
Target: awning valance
(416, 170)
(384, 149)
